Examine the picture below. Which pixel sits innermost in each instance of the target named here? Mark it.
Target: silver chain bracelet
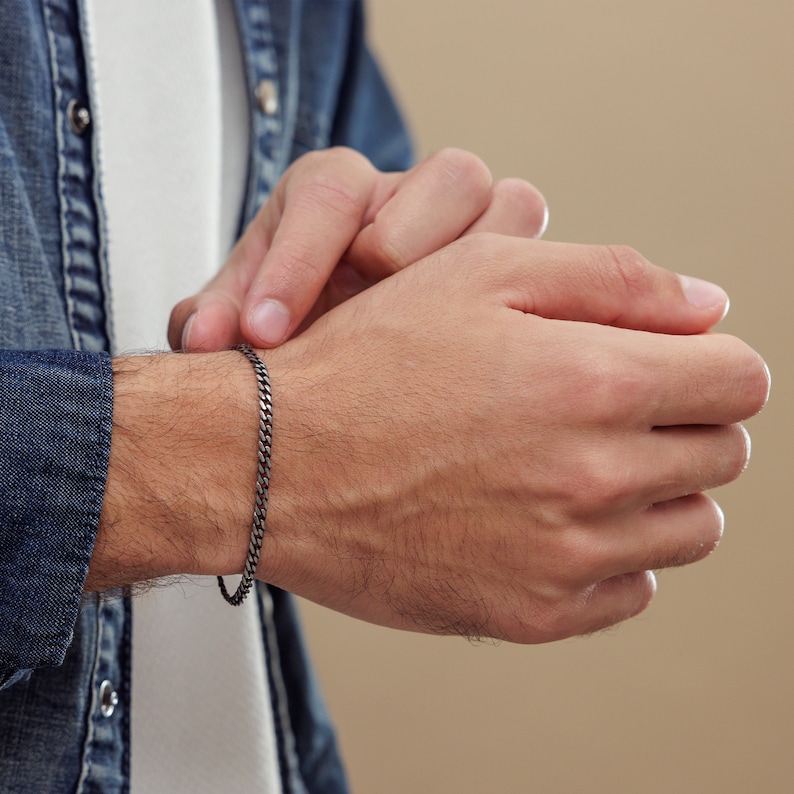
(262, 479)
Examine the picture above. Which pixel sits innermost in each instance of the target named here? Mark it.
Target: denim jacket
(65, 658)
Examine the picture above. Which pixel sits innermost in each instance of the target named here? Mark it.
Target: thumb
(205, 323)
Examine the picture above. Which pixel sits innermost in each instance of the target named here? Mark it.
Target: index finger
(432, 205)
(319, 215)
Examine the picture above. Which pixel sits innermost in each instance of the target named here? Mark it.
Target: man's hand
(455, 451)
(335, 225)
(466, 447)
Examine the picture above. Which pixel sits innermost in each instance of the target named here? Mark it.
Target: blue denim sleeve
(367, 116)
(55, 421)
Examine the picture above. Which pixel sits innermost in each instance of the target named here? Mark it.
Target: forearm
(110, 478)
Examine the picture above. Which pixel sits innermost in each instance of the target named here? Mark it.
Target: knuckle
(519, 192)
(297, 266)
(603, 484)
(483, 259)
(459, 166)
(636, 590)
(332, 195)
(341, 155)
(564, 611)
(523, 200)
(626, 268)
(177, 320)
(545, 617)
(713, 527)
(483, 247)
(590, 481)
(737, 453)
(553, 622)
(747, 374)
(584, 611)
(346, 154)
(705, 535)
(757, 382)
(608, 389)
(643, 589)
(387, 245)
(484, 255)
(478, 250)
(579, 554)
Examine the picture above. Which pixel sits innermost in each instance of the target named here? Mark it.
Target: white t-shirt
(171, 113)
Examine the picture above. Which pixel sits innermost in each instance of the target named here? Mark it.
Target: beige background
(667, 125)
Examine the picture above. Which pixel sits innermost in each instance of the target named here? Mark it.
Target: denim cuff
(56, 411)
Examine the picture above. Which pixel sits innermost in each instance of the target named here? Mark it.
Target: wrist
(182, 472)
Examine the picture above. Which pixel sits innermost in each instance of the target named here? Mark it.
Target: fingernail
(545, 224)
(703, 294)
(186, 332)
(270, 322)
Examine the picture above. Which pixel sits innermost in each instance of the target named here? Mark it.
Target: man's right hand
(456, 451)
(467, 447)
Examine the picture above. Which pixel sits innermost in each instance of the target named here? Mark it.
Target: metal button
(268, 97)
(108, 698)
(79, 117)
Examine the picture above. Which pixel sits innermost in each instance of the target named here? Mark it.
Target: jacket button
(79, 117)
(108, 698)
(267, 96)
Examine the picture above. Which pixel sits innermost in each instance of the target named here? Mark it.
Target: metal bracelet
(262, 479)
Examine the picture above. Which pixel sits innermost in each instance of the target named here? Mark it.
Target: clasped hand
(333, 226)
(505, 437)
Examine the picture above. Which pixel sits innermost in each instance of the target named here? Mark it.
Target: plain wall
(667, 125)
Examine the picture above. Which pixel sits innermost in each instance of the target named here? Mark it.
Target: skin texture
(445, 460)
(464, 466)
(182, 469)
(502, 438)
(335, 225)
